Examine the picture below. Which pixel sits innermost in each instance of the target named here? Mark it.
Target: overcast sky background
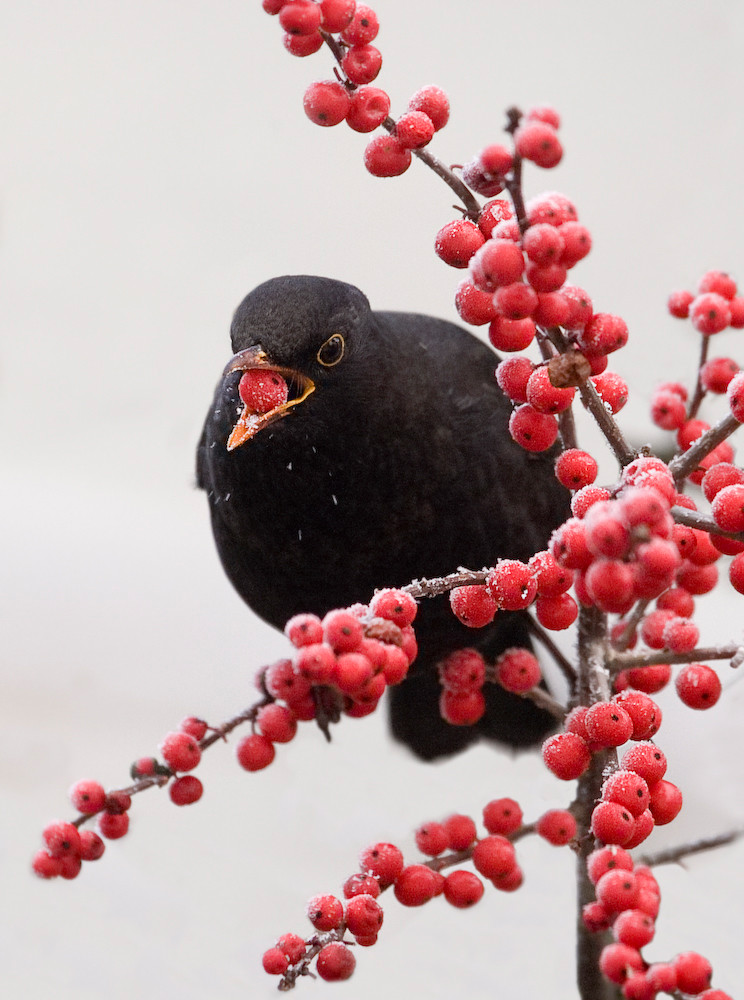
(156, 164)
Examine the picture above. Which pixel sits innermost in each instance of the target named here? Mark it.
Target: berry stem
(673, 855)
(699, 393)
(623, 661)
(472, 207)
(630, 626)
(565, 665)
(693, 519)
(683, 465)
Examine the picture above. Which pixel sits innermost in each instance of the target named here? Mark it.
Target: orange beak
(250, 423)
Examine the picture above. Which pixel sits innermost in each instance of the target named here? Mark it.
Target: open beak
(250, 423)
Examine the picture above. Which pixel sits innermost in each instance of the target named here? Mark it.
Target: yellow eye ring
(331, 352)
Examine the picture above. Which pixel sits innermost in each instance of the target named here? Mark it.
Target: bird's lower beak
(249, 422)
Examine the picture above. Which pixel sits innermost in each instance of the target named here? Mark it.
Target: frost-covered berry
(277, 722)
(325, 912)
(336, 14)
(432, 839)
(698, 686)
(646, 760)
(511, 584)
(299, 17)
(512, 375)
(693, 972)
(415, 885)
(462, 708)
(383, 861)
(363, 915)
(710, 313)
(617, 890)
(368, 109)
(326, 102)
(462, 670)
(473, 305)
(473, 605)
(386, 156)
(538, 141)
(679, 303)
(575, 468)
(461, 831)
(547, 398)
(414, 129)
(511, 334)
(87, 797)
(62, 839)
(433, 102)
(735, 393)
(275, 962)
(532, 430)
(456, 242)
(612, 823)
(517, 670)
(666, 801)
(566, 755)
(335, 962)
(363, 26)
(181, 752)
(608, 724)
(362, 63)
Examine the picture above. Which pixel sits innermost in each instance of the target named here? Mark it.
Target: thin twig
(681, 466)
(624, 661)
(673, 855)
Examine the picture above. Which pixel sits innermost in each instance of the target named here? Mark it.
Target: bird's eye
(331, 352)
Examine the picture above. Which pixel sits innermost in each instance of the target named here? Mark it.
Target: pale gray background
(155, 165)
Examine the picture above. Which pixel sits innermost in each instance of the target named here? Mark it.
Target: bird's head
(292, 334)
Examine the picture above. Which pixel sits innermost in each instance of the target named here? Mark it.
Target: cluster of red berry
(464, 672)
(343, 664)
(382, 867)
(628, 900)
(349, 28)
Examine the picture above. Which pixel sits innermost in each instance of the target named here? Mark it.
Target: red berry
(617, 890)
(498, 262)
(543, 244)
(494, 856)
(45, 866)
(634, 928)
(302, 45)
(277, 723)
(396, 605)
(566, 755)
(343, 631)
(511, 584)
(512, 375)
(517, 670)
(326, 102)
(628, 789)
(255, 752)
(710, 313)
(91, 845)
(415, 885)
(462, 671)
(113, 825)
(647, 760)
(502, 816)
(300, 17)
(551, 579)
(612, 390)
(547, 398)
(384, 861)
(362, 63)
(118, 802)
(194, 726)
(474, 606)
(494, 212)
(666, 802)
(461, 831)
(363, 915)
(727, 507)
(433, 102)
(336, 14)
(693, 972)
(578, 243)
(612, 823)
(698, 686)
(360, 885)
(575, 469)
(462, 709)
(386, 156)
(644, 713)
(414, 129)
(606, 859)
(183, 791)
(62, 839)
(663, 977)
(369, 107)
(532, 430)
(456, 242)
(335, 962)
(363, 26)
(462, 889)
(88, 797)
(557, 826)
(511, 334)
(325, 912)
(556, 613)
(735, 393)
(679, 304)
(432, 839)
(608, 724)
(473, 305)
(275, 962)
(181, 752)
(515, 301)
(618, 961)
(304, 629)
(667, 410)
(539, 142)
(716, 374)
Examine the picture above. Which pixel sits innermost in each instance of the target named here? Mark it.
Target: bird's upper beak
(250, 423)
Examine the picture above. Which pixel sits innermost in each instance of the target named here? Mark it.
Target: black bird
(392, 462)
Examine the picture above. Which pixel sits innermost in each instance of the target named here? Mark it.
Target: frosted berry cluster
(447, 844)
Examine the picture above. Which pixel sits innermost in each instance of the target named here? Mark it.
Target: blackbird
(389, 461)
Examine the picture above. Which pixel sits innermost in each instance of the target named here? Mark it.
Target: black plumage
(397, 465)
